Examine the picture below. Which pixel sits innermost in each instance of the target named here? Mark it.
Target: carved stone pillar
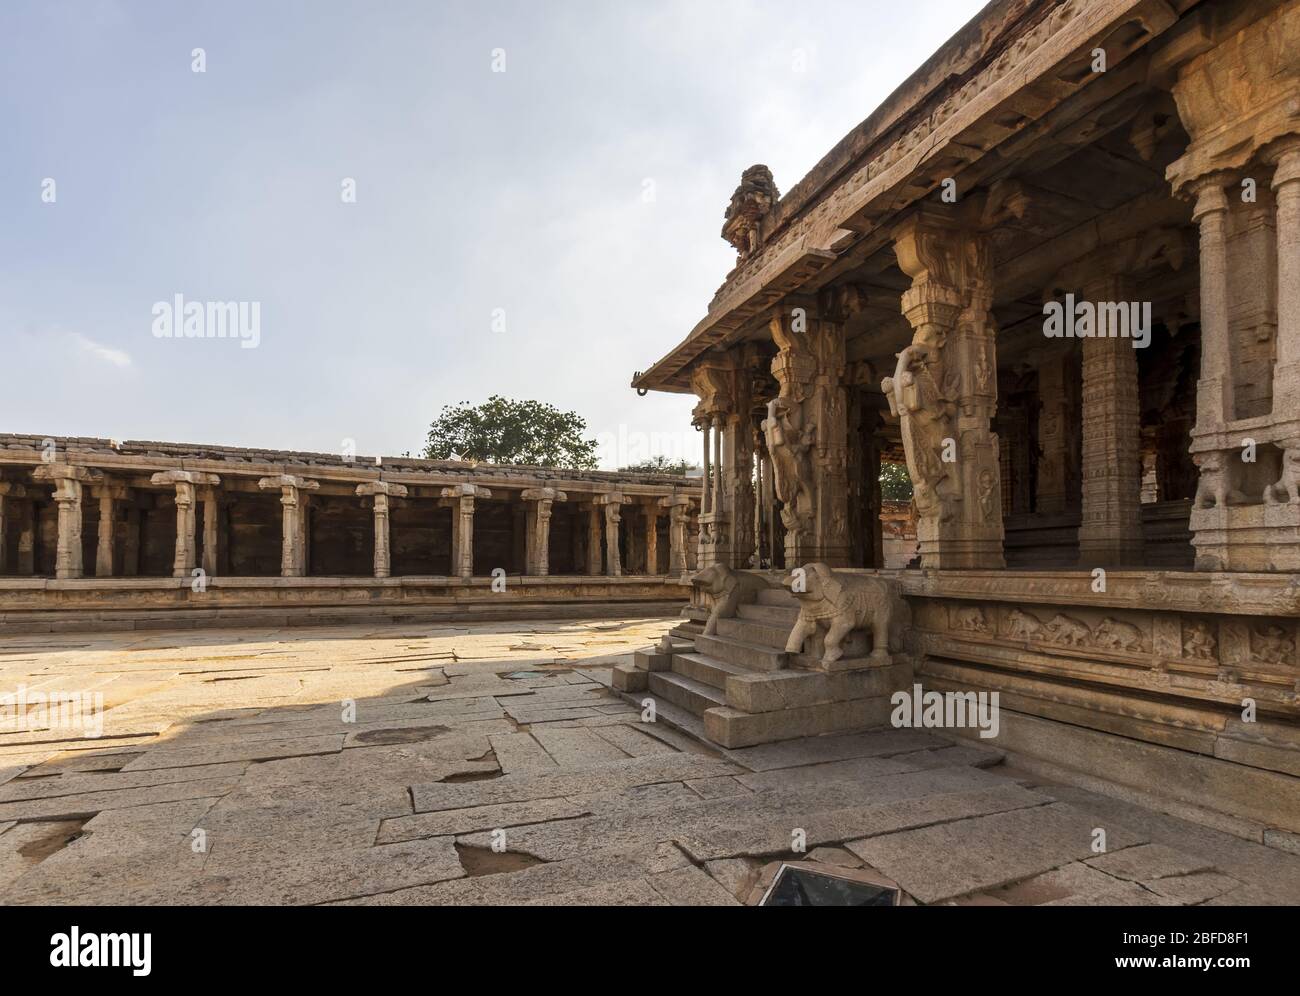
(944, 392)
(108, 495)
(10, 492)
(713, 384)
(1110, 528)
(1239, 102)
(806, 430)
(185, 558)
(68, 480)
(462, 496)
(593, 539)
(210, 555)
(1058, 476)
(380, 492)
(293, 503)
(679, 508)
(538, 552)
(1285, 157)
(612, 503)
(651, 511)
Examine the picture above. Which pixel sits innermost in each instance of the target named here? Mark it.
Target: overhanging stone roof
(1005, 69)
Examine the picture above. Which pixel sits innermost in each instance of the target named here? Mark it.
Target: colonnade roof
(27, 449)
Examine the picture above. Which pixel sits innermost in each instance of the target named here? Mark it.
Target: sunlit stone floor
(490, 763)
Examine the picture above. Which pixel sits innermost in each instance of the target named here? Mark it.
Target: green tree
(502, 430)
(895, 485)
(660, 465)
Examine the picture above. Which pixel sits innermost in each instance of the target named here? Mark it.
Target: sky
(538, 191)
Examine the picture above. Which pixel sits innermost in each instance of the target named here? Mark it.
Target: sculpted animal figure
(1023, 626)
(729, 589)
(840, 603)
(970, 618)
(1069, 631)
(1289, 483)
(1115, 635)
(1212, 485)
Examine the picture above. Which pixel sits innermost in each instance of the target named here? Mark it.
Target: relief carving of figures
(1199, 641)
(1273, 645)
(1071, 632)
(925, 417)
(1115, 635)
(1023, 626)
(969, 618)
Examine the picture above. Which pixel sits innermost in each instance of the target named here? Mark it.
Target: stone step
(778, 597)
(770, 615)
(693, 696)
(750, 655)
(755, 631)
(713, 672)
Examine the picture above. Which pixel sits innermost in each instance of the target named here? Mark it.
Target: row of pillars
(71, 481)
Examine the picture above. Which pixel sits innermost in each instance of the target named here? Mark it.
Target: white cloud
(105, 354)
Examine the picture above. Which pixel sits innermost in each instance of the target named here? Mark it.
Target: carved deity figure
(729, 590)
(789, 436)
(841, 603)
(925, 419)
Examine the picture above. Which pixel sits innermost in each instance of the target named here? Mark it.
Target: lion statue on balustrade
(841, 602)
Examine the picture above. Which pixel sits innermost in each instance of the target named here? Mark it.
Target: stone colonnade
(108, 501)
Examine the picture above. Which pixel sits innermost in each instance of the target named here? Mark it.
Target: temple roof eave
(889, 178)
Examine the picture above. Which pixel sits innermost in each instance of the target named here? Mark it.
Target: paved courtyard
(490, 763)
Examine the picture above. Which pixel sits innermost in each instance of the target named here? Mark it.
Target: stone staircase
(739, 687)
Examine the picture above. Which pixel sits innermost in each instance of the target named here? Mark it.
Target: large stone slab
(951, 859)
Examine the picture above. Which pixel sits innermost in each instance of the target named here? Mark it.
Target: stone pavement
(382, 765)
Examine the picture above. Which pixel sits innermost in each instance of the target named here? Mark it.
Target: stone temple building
(1057, 273)
(97, 535)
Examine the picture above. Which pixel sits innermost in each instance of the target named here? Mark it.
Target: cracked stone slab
(951, 859)
(310, 876)
(80, 784)
(1148, 861)
(89, 803)
(262, 750)
(463, 821)
(819, 750)
(840, 825)
(541, 882)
